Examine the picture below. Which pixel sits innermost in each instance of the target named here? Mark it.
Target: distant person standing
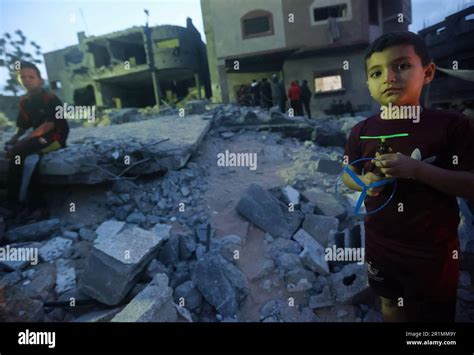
(278, 93)
(255, 91)
(294, 94)
(306, 97)
(266, 93)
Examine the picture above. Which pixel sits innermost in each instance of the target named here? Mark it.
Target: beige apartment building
(322, 41)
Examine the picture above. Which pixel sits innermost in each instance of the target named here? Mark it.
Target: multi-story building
(449, 43)
(114, 70)
(322, 41)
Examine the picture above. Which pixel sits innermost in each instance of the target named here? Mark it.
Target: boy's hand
(370, 178)
(397, 165)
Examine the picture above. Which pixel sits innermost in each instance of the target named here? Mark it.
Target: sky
(54, 24)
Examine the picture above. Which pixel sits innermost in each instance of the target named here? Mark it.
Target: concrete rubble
(158, 251)
(115, 262)
(153, 304)
(268, 213)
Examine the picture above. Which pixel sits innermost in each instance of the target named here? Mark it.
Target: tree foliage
(13, 49)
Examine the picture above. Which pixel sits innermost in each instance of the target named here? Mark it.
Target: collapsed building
(117, 70)
(317, 40)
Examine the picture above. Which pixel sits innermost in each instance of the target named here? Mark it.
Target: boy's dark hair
(24, 65)
(396, 39)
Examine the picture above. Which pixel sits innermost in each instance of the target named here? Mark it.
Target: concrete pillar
(198, 84)
(156, 87)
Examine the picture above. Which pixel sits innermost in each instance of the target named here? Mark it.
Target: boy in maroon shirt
(412, 246)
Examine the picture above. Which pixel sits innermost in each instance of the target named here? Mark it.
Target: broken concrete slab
(319, 227)
(130, 149)
(269, 214)
(65, 276)
(325, 203)
(33, 232)
(221, 283)
(54, 248)
(350, 284)
(153, 304)
(281, 245)
(324, 299)
(115, 263)
(162, 230)
(313, 255)
(109, 228)
(98, 316)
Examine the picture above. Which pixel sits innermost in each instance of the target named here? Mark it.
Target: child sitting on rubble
(37, 110)
(412, 246)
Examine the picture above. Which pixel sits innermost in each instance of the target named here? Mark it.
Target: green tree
(13, 49)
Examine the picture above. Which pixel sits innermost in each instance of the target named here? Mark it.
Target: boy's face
(30, 79)
(397, 76)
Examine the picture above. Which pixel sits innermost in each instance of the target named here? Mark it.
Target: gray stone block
(313, 255)
(324, 299)
(221, 283)
(65, 276)
(325, 203)
(115, 263)
(188, 293)
(350, 283)
(153, 304)
(54, 248)
(268, 213)
(319, 227)
(33, 232)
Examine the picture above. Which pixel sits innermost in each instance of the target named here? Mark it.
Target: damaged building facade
(320, 41)
(449, 43)
(114, 70)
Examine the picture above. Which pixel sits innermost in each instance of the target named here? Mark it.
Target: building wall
(305, 32)
(354, 79)
(300, 31)
(225, 16)
(72, 76)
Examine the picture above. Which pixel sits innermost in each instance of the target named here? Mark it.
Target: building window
(321, 10)
(327, 83)
(257, 23)
(323, 13)
(374, 12)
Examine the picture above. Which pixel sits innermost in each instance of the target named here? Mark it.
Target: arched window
(257, 23)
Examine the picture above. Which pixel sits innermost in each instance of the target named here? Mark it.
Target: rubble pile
(157, 255)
